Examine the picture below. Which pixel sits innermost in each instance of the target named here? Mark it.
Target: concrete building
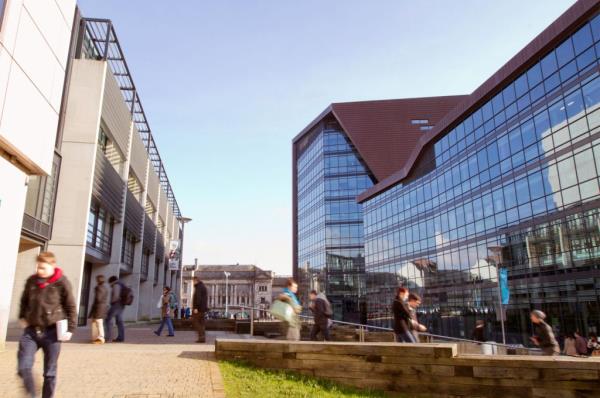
(34, 48)
(114, 210)
(245, 285)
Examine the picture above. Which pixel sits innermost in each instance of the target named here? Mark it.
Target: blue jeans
(166, 320)
(30, 342)
(405, 337)
(115, 311)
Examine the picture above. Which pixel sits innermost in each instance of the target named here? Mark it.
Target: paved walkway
(145, 366)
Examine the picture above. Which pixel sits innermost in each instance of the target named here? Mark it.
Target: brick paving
(145, 366)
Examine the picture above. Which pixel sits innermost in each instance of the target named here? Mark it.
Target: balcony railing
(36, 227)
(101, 240)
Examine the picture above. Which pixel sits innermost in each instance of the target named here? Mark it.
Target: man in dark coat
(544, 336)
(46, 301)
(99, 310)
(321, 309)
(402, 318)
(199, 308)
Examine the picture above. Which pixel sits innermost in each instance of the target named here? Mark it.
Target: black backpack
(126, 295)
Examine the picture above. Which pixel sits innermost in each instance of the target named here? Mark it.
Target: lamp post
(183, 221)
(227, 275)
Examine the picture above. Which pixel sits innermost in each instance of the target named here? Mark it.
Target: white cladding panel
(138, 157)
(153, 186)
(115, 114)
(34, 44)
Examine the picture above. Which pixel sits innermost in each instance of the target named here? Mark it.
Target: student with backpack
(321, 309)
(120, 296)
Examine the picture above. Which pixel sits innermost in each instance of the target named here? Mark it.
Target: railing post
(252, 322)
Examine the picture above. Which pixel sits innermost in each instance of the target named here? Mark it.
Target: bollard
(252, 322)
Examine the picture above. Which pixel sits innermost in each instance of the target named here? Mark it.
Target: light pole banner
(504, 290)
(174, 255)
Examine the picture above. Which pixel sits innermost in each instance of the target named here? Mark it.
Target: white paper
(61, 329)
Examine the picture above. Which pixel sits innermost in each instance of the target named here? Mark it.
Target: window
(102, 140)
(100, 229)
(128, 248)
(157, 261)
(419, 121)
(145, 266)
(2, 5)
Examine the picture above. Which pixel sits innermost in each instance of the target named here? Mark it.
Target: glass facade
(514, 185)
(330, 175)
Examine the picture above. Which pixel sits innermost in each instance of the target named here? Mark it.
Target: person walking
(166, 313)
(182, 313)
(414, 301)
(291, 328)
(569, 345)
(402, 318)
(479, 331)
(99, 310)
(321, 309)
(200, 307)
(46, 300)
(580, 344)
(116, 310)
(188, 312)
(544, 336)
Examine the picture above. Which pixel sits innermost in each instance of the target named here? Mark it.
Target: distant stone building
(279, 283)
(246, 285)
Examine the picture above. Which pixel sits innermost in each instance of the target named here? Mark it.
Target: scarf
(42, 283)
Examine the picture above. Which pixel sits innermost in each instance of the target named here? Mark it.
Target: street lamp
(227, 275)
(183, 221)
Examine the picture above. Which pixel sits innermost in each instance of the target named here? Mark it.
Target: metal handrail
(362, 328)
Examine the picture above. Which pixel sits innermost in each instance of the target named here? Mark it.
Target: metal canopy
(98, 40)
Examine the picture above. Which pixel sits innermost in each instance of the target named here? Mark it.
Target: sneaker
(170, 335)
(156, 333)
(99, 341)
(118, 340)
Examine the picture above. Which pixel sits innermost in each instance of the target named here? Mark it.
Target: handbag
(282, 311)
(159, 304)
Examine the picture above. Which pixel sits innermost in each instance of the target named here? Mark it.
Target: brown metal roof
(382, 131)
(545, 41)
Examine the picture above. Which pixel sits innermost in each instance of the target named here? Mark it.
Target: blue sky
(226, 85)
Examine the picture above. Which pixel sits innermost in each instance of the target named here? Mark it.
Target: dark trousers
(320, 327)
(405, 337)
(30, 342)
(115, 311)
(198, 322)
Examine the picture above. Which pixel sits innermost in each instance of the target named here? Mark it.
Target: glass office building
(330, 175)
(349, 147)
(511, 184)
